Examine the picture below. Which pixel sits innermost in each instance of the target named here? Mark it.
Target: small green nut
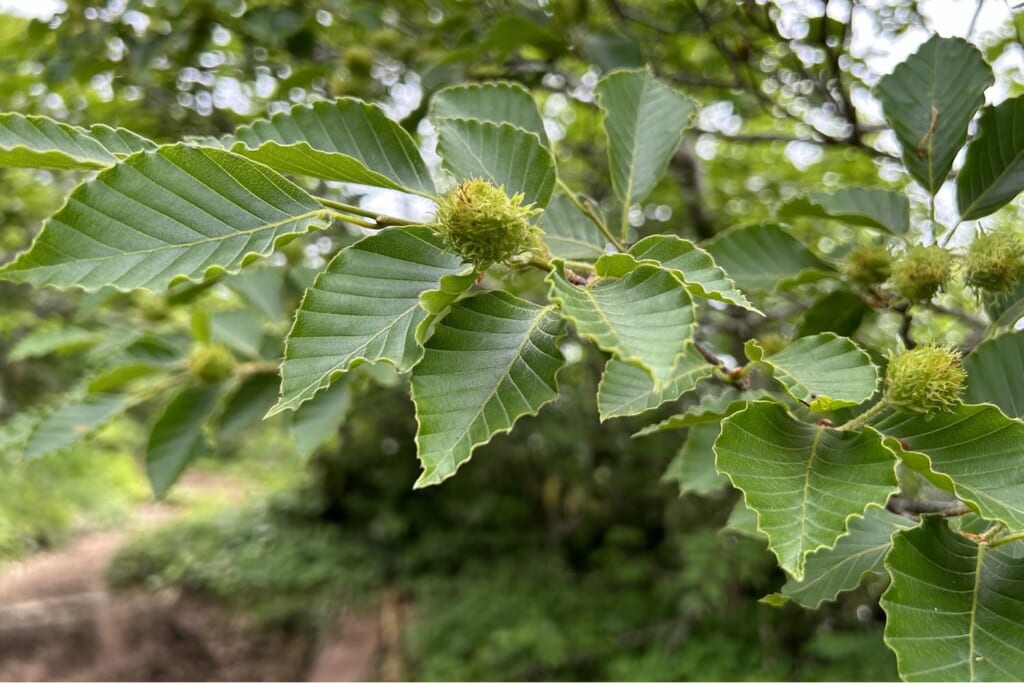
(772, 342)
(868, 266)
(211, 363)
(484, 225)
(921, 271)
(358, 60)
(995, 262)
(925, 380)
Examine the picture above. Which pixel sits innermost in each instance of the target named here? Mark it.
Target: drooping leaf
(627, 389)
(39, 142)
(568, 233)
(743, 522)
(841, 311)
(644, 317)
(693, 467)
(954, 610)
(873, 208)
(245, 407)
(318, 420)
(165, 216)
(45, 340)
(504, 154)
(239, 329)
(994, 369)
(842, 568)
(261, 289)
(824, 371)
(496, 101)
(766, 258)
(74, 421)
(691, 264)
(491, 360)
(644, 122)
(993, 173)
(711, 407)
(364, 307)
(929, 100)
(177, 437)
(805, 481)
(347, 140)
(972, 451)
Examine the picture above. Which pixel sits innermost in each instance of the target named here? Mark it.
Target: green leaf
(993, 173)
(161, 217)
(317, 421)
(693, 467)
(239, 330)
(766, 258)
(825, 372)
(39, 142)
(491, 360)
(994, 369)
(627, 389)
(120, 375)
(73, 422)
(841, 311)
(45, 340)
(930, 99)
(504, 154)
(842, 568)
(261, 289)
(693, 266)
(710, 408)
(954, 610)
(1006, 309)
(496, 101)
(364, 307)
(347, 140)
(804, 481)
(570, 234)
(644, 122)
(644, 317)
(972, 451)
(177, 437)
(873, 208)
(245, 407)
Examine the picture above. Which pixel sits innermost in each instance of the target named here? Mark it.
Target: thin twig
(908, 507)
(380, 220)
(589, 212)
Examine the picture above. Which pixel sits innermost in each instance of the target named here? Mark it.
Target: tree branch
(908, 507)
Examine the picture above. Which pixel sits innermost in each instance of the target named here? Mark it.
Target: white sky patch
(39, 9)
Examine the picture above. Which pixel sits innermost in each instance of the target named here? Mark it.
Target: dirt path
(57, 619)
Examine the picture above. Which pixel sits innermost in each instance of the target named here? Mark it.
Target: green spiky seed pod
(483, 224)
(772, 342)
(995, 261)
(921, 271)
(211, 363)
(358, 60)
(868, 266)
(925, 380)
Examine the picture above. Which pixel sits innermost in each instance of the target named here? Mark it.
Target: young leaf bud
(483, 224)
(211, 363)
(868, 266)
(925, 380)
(995, 261)
(921, 271)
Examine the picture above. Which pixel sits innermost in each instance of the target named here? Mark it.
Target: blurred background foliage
(559, 552)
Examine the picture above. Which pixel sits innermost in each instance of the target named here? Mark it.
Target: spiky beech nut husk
(995, 261)
(772, 342)
(483, 224)
(211, 363)
(358, 60)
(921, 271)
(925, 380)
(868, 266)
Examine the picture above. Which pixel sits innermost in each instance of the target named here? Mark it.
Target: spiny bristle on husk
(484, 225)
(995, 261)
(868, 266)
(925, 380)
(921, 271)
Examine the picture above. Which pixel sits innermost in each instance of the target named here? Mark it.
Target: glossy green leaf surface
(824, 371)
(316, 421)
(177, 437)
(491, 360)
(347, 140)
(841, 311)
(73, 422)
(644, 317)
(495, 101)
(954, 610)
(806, 482)
(693, 467)
(766, 258)
(993, 172)
(40, 142)
(504, 154)
(929, 100)
(873, 208)
(364, 307)
(568, 233)
(161, 217)
(627, 389)
(994, 371)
